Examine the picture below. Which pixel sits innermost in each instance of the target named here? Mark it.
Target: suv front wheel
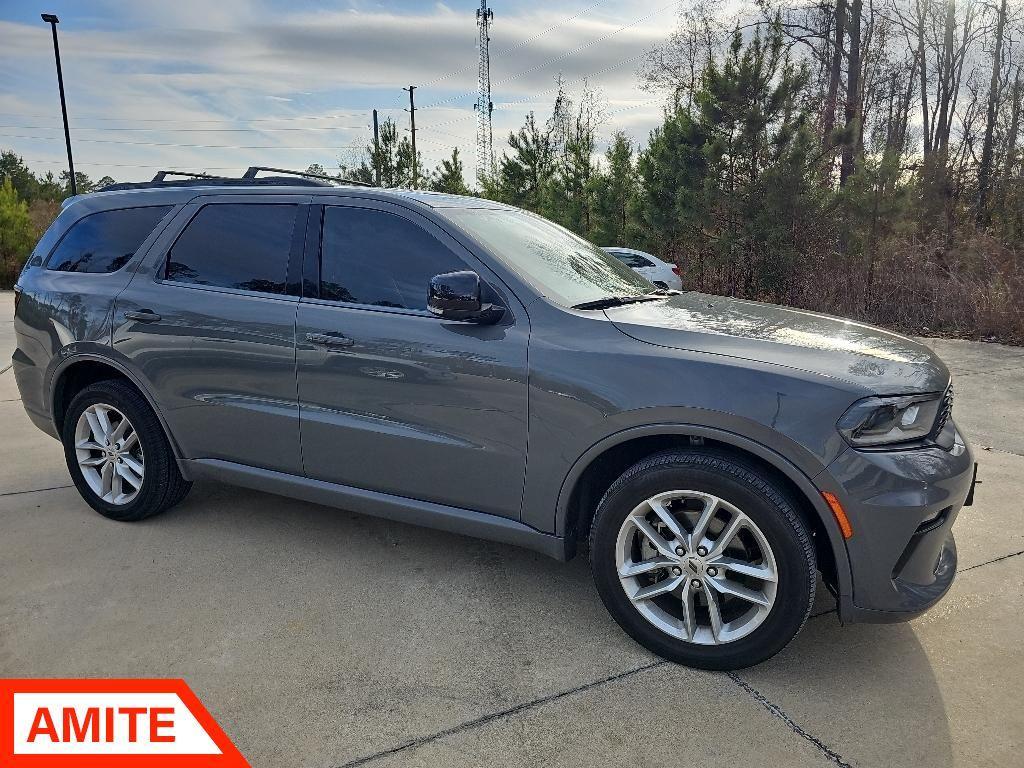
(703, 559)
(118, 455)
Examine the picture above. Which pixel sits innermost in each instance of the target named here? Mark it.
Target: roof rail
(249, 178)
(254, 169)
(161, 175)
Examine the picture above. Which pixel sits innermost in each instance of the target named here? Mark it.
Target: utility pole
(412, 130)
(53, 21)
(376, 150)
(484, 107)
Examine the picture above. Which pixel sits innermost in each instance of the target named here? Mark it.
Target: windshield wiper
(616, 301)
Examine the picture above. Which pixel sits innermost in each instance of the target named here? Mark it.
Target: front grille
(945, 411)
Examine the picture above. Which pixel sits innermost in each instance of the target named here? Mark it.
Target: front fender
(799, 468)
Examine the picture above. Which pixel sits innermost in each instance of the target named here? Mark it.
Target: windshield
(562, 266)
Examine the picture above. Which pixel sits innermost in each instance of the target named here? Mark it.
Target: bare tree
(987, 151)
(852, 110)
(676, 66)
(835, 74)
(1012, 133)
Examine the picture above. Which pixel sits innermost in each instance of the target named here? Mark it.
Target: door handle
(142, 316)
(329, 341)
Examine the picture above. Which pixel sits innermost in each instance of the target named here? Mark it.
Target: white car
(660, 273)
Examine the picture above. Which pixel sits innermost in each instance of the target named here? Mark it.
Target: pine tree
(670, 209)
(523, 177)
(15, 233)
(448, 176)
(613, 193)
(404, 165)
(24, 181)
(383, 158)
(755, 124)
(573, 129)
(83, 183)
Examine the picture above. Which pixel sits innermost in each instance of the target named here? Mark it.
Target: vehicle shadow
(391, 621)
(867, 691)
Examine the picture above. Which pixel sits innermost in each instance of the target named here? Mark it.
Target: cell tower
(484, 107)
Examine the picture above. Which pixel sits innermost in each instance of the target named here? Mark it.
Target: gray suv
(459, 364)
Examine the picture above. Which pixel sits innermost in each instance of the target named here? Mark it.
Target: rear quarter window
(105, 241)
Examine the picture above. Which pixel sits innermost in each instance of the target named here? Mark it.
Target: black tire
(162, 485)
(762, 500)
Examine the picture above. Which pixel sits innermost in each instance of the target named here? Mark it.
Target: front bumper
(902, 505)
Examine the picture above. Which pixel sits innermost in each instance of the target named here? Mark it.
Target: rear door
(209, 322)
(392, 398)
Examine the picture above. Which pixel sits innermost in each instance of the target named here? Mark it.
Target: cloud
(197, 62)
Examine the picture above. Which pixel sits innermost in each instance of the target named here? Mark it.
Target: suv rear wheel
(118, 454)
(702, 559)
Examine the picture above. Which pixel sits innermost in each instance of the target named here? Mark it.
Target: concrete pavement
(321, 638)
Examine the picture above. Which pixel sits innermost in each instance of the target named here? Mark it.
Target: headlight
(886, 420)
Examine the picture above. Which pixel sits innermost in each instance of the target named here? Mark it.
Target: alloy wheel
(109, 454)
(696, 567)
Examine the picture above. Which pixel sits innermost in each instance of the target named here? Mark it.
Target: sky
(219, 85)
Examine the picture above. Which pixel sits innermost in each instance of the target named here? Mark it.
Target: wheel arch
(603, 462)
(80, 370)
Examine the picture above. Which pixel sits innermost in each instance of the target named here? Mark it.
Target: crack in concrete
(774, 709)
(993, 560)
(778, 712)
(37, 490)
(993, 370)
(993, 449)
(468, 725)
(499, 715)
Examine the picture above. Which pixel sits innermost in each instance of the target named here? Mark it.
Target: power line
(174, 144)
(272, 128)
(195, 130)
(518, 45)
(136, 165)
(553, 27)
(563, 56)
(436, 143)
(527, 99)
(504, 105)
(461, 141)
(432, 129)
(191, 121)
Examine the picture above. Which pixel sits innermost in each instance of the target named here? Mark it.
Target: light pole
(53, 21)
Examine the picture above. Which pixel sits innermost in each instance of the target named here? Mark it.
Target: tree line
(850, 157)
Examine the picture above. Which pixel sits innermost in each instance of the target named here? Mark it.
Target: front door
(392, 398)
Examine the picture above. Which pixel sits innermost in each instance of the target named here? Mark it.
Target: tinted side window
(106, 241)
(235, 245)
(633, 260)
(373, 257)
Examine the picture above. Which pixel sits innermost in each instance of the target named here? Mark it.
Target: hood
(878, 360)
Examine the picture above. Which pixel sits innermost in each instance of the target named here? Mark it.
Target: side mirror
(457, 296)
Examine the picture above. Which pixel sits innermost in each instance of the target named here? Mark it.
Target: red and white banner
(109, 724)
